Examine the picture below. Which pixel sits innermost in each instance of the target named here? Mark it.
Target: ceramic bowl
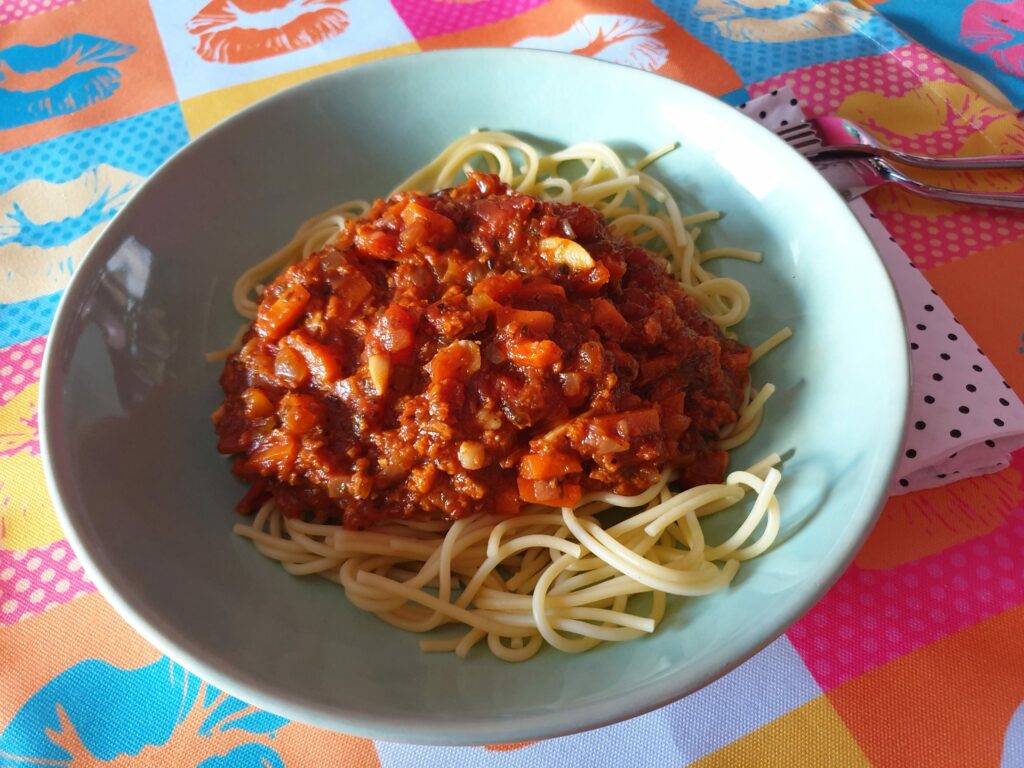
(146, 500)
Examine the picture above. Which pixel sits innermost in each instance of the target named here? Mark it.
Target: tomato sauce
(474, 350)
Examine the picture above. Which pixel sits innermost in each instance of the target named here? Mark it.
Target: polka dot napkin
(964, 420)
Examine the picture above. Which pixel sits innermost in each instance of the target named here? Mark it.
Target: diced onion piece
(290, 367)
(471, 454)
(379, 366)
(606, 445)
(488, 419)
(572, 384)
(536, 321)
(319, 358)
(560, 250)
(481, 303)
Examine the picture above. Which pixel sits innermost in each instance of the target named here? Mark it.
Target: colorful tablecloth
(915, 657)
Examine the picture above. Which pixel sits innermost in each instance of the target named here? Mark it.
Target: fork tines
(802, 137)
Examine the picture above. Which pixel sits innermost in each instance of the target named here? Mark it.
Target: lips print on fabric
(46, 228)
(39, 82)
(236, 31)
(625, 40)
(27, 518)
(780, 21)
(932, 110)
(996, 29)
(922, 524)
(167, 717)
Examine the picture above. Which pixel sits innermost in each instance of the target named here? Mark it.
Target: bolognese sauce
(474, 350)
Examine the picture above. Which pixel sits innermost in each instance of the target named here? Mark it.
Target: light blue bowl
(146, 500)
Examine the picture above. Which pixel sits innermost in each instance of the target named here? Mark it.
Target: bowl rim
(174, 641)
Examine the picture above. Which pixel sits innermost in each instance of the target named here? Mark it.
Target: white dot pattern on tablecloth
(427, 18)
(15, 10)
(32, 581)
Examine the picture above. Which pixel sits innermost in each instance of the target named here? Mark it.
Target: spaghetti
(546, 575)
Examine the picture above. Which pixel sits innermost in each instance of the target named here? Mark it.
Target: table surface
(914, 658)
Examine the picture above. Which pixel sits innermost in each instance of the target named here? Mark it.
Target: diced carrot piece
(608, 318)
(257, 404)
(436, 222)
(498, 287)
(298, 413)
(376, 244)
(277, 455)
(549, 492)
(459, 360)
(548, 466)
(536, 320)
(351, 292)
(319, 359)
(539, 354)
(289, 367)
(274, 320)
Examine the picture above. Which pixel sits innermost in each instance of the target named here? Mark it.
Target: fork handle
(977, 162)
(997, 199)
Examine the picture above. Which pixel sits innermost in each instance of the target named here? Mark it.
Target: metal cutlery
(836, 138)
(854, 168)
(852, 178)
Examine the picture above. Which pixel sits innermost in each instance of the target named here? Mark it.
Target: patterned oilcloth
(914, 658)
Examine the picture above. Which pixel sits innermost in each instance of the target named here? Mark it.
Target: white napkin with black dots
(964, 419)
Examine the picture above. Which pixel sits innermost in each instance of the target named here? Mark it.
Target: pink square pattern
(36, 580)
(15, 10)
(426, 18)
(948, 233)
(19, 368)
(873, 616)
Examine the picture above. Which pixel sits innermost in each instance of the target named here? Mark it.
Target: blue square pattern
(26, 319)
(137, 144)
(980, 40)
(744, 35)
(766, 687)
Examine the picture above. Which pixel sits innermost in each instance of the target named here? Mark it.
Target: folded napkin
(964, 420)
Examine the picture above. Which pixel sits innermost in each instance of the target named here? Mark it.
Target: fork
(852, 178)
(853, 169)
(836, 138)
